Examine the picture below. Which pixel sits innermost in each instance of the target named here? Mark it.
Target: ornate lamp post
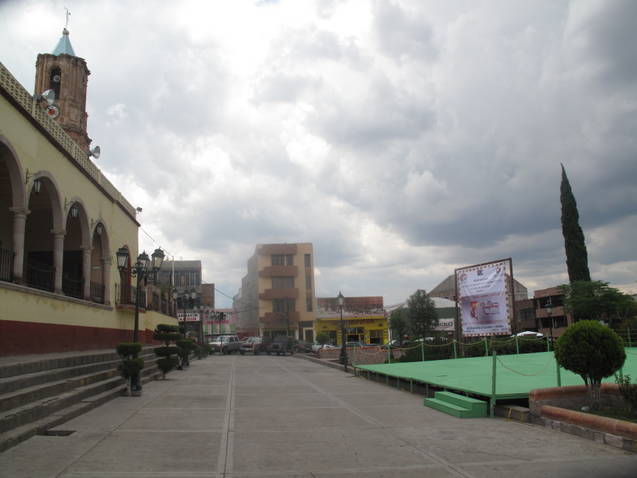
(189, 297)
(343, 357)
(142, 269)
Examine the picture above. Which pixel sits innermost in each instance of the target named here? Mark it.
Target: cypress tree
(576, 255)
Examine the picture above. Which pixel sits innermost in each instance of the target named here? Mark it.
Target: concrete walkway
(246, 416)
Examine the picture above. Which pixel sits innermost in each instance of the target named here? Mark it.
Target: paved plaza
(250, 416)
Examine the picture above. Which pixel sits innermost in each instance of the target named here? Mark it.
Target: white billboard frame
(486, 308)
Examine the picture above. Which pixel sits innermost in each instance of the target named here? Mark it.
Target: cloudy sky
(402, 138)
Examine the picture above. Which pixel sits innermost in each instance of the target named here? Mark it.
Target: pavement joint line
(449, 466)
(225, 463)
(140, 404)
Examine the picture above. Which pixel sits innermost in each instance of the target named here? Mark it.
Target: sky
(404, 139)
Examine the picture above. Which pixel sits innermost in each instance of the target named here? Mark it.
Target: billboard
(484, 299)
(190, 317)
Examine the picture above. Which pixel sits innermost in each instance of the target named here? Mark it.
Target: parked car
(317, 347)
(281, 345)
(529, 334)
(226, 344)
(303, 347)
(252, 345)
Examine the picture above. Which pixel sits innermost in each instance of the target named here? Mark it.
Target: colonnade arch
(49, 242)
(12, 210)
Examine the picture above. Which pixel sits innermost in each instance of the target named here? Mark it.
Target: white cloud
(403, 138)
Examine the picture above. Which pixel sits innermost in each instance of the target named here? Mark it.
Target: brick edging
(595, 422)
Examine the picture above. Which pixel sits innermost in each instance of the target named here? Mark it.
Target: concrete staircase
(41, 393)
(457, 405)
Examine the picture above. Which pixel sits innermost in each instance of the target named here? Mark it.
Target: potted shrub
(167, 353)
(131, 366)
(593, 351)
(185, 347)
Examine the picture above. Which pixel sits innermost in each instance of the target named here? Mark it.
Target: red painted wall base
(23, 338)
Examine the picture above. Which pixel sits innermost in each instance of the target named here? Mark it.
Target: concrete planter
(557, 407)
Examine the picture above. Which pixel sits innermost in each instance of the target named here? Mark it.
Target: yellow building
(277, 294)
(364, 320)
(61, 222)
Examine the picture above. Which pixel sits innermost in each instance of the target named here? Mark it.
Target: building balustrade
(269, 249)
(97, 292)
(72, 287)
(270, 294)
(6, 265)
(279, 271)
(270, 318)
(40, 276)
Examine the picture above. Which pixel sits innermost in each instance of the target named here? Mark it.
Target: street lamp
(143, 269)
(189, 298)
(343, 357)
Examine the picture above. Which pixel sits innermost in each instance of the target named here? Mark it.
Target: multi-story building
(194, 301)
(364, 320)
(61, 222)
(551, 318)
(277, 294)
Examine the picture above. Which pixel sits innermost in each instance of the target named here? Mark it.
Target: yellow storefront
(366, 329)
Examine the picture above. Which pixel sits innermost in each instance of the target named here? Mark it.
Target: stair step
(477, 406)
(40, 408)
(448, 408)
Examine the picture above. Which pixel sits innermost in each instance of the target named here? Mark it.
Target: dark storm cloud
(403, 138)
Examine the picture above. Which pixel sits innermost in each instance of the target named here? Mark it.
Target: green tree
(574, 244)
(322, 338)
(591, 350)
(399, 324)
(422, 314)
(595, 300)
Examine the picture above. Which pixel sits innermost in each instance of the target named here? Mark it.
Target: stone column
(19, 225)
(58, 259)
(86, 272)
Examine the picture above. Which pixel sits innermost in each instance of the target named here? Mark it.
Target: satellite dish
(95, 152)
(48, 95)
(52, 111)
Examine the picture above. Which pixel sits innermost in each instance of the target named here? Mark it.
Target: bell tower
(67, 75)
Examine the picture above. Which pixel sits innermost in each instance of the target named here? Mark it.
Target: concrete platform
(247, 416)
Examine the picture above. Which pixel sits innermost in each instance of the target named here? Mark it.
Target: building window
(283, 282)
(282, 259)
(308, 304)
(283, 305)
(560, 322)
(308, 260)
(376, 336)
(308, 282)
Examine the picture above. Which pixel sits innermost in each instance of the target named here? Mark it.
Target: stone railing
(80, 158)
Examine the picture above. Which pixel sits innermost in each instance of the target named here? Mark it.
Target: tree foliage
(422, 314)
(323, 338)
(399, 324)
(595, 300)
(591, 350)
(574, 244)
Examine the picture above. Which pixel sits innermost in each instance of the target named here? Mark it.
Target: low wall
(360, 355)
(573, 397)
(556, 408)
